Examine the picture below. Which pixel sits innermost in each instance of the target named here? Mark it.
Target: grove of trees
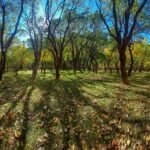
(70, 35)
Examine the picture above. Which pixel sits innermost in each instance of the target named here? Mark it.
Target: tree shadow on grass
(62, 92)
(4, 120)
(70, 99)
(9, 88)
(23, 138)
(44, 114)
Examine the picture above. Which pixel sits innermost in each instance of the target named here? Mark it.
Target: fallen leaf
(140, 147)
(17, 134)
(128, 142)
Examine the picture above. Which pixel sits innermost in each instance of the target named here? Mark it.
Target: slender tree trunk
(37, 57)
(2, 64)
(131, 63)
(141, 67)
(117, 68)
(34, 72)
(108, 65)
(74, 60)
(1, 75)
(75, 67)
(105, 68)
(58, 62)
(124, 74)
(57, 69)
(79, 64)
(96, 66)
(93, 67)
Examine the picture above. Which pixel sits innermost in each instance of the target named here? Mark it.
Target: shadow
(22, 139)
(66, 96)
(9, 88)
(70, 100)
(4, 120)
(45, 116)
(78, 120)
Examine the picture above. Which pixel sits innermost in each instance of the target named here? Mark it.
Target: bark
(108, 65)
(34, 72)
(96, 67)
(105, 68)
(117, 68)
(131, 62)
(141, 67)
(57, 69)
(75, 67)
(124, 74)
(37, 56)
(2, 64)
(74, 61)
(93, 66)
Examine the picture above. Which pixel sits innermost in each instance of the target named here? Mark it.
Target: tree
(130, 47)
(59, 18)
(121, 22)
(35, 32)
(18, 58)
(7, 33)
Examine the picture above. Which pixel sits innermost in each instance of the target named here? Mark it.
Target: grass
(87, 111)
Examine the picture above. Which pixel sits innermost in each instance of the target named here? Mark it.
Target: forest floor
(88, 111)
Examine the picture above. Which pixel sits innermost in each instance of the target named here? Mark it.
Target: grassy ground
(89, 111)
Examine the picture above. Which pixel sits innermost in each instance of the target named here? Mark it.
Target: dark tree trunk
(57, 72)
(37, 56)
(84, 64)
(117, 68)
(141, 67)
(124, 74)
(93, 66)
(105, 68)
(34, 72)
(108, 65)
(74, 66)
(96, 66)
(58, 64)
(1, 75)
(2, 64)
(131, 63)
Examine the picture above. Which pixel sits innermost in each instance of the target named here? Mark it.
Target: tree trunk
(2, 64)
(1, 75)
(34, 72)
(74, 66)
(57, 72)
(141, 67)
(58, 64)
(131, 63)
(108, 66)
(124, 74)
(96, 66)
(93, 66)
(37, 57)
(117, 68)
(105, 68)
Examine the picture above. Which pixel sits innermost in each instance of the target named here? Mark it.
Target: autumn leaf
(140, 147)
(17, 134)
(1, 134)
